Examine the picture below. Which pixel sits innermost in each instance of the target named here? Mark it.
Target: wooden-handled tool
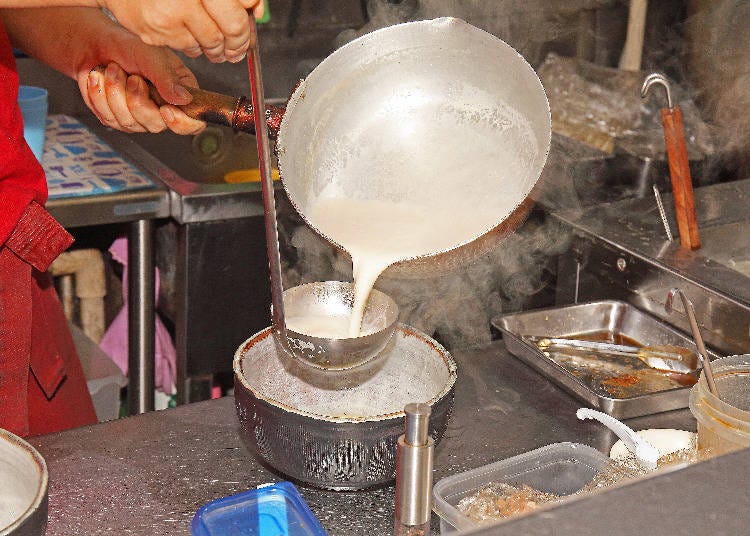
(679, 167)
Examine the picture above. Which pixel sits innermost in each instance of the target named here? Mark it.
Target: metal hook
(690, 311)
(656, 78)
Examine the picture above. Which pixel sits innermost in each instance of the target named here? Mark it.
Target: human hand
(219, 29)
(121, 100)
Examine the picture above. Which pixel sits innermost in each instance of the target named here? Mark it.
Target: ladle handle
(266, 181)
(220, 109)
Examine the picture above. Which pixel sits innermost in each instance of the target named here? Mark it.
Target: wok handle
(679, 170)
(220, 109)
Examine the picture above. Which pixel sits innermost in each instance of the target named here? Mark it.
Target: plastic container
(33, 103)
(103, 377)
(560, 468)
(723, 424)
(268, 510)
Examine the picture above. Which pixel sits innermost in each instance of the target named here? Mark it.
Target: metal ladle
(702, 353)
(327, 297)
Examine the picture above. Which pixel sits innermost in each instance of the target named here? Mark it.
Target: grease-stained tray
(623, 387)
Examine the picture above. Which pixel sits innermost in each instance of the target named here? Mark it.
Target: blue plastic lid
(269, 510)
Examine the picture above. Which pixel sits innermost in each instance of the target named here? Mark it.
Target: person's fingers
(259, 10)
(233, 21)
(179, 123)
(144, 110)
(169, 74)
(98, 99)
(208, 35)
(115, 81)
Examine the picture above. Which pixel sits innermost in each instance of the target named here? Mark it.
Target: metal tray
(598, 381)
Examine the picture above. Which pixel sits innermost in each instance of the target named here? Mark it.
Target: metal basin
(338, 431)
(23, 488)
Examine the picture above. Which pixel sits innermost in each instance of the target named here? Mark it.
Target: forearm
(69, 39)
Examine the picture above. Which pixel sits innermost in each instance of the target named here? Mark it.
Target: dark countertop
(149, 474)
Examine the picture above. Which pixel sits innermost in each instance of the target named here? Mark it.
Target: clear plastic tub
(560, 468)
(723, 424)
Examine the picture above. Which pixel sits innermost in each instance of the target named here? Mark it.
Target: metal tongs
(661, 357)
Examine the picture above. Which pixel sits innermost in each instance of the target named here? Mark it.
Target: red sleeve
(21, 176)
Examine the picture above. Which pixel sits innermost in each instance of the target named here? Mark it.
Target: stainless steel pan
(437, 113)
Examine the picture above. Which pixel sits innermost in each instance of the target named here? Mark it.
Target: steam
(457, 308)
(527, 25)
(718, 64)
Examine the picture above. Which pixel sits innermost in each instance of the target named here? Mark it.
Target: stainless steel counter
(148, 474)
(620, 251)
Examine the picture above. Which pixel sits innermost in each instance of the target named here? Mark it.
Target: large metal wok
(436, 113)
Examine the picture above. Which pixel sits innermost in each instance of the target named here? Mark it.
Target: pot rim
(264, 333)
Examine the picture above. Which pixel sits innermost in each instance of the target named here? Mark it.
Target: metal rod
(417, 423)
(269, 205)
(702, 352)
(663, 213)
(141, 330)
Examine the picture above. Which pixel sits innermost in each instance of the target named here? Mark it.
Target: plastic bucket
(723, 423)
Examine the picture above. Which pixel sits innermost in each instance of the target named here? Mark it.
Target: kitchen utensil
(338, 431)
(679, 167)
(662, 213)
(702, 353)
(632, 51)
(666, 440)
(23, 488)
(414, 473)
(646, 454)
(436, 114)
(330, 299)
(320, 352)
(219, 109)
(620, 387)
(665, 357)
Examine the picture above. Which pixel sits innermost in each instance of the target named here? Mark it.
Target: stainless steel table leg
(141, 338)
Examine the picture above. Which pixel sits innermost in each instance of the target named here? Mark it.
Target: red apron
(42, 386)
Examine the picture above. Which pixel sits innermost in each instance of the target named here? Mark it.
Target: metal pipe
(141, 331)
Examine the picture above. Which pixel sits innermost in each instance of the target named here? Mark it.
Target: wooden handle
(220, 109)
(632, 52)
(679, 170)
